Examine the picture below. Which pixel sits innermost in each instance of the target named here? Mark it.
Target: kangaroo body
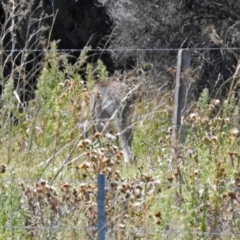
(113, 100)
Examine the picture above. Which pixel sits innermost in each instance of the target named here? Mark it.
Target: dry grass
(49, 169)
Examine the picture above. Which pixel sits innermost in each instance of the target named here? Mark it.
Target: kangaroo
(112, 99)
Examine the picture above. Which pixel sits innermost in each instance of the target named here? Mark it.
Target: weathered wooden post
(101, 207)
(181, 95)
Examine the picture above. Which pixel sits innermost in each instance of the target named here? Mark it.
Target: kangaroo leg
(124, 121)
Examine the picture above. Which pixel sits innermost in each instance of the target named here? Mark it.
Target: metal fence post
(101, 207)
(181, 93)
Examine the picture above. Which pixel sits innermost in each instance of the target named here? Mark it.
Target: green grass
(48, 190)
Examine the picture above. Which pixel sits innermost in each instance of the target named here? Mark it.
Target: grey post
(101, 207)
(181, 94)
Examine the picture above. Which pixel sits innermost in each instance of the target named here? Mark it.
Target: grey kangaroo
(113, 99)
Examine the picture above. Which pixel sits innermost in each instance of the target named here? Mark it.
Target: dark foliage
(178, 24)
(27, 27)
(80, 23)
(24, 34)
(124, 25)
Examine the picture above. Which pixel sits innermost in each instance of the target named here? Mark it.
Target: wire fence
(140, 233)
(126, 49)
(209, 185)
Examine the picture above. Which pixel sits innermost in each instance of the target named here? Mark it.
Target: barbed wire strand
(69, 181)
(121, 49)
(136, 231)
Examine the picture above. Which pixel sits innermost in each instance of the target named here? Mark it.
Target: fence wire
(209, 185)
(135, 231)
(124, 49)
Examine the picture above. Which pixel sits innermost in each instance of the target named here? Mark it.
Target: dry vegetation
(49, 169)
